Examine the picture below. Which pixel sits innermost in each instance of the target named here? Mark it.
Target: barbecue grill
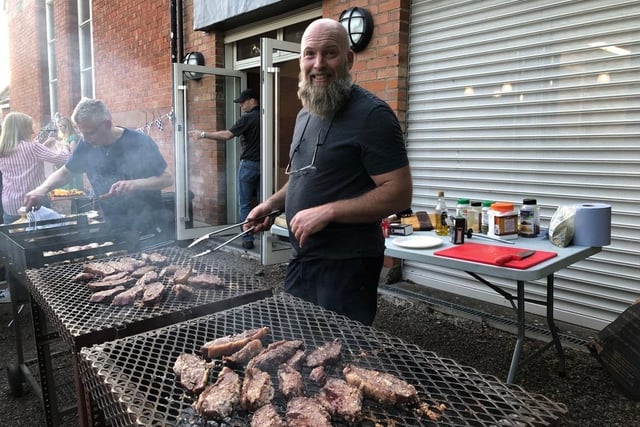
(64, 304)
(131, 379)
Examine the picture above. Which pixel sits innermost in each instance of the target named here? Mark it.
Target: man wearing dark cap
(248, 129)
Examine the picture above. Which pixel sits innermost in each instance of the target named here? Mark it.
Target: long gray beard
(324, 102)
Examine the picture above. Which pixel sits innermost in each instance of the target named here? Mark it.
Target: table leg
(552, 327)
(515, 359)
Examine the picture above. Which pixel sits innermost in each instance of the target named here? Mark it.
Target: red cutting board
(487, 254)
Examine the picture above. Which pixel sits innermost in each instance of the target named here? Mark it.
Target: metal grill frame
(131, 380)
(81, 323)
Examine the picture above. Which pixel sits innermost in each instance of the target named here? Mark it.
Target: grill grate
(82, 323)
(132, 380)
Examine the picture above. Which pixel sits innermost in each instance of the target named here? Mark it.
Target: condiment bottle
(504, 219)
(462, 208)
(484, 222)
(474, 217)
(442, 216)
(529, 219)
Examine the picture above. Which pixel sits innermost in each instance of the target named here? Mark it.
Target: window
(85, 36)
(51, 58)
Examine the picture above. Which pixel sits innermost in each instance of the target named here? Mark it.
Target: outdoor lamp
(193, 58)
(359, 25)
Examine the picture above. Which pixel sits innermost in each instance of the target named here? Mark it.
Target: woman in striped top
(22, 162)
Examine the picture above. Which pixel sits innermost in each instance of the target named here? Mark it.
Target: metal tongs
(271, 214)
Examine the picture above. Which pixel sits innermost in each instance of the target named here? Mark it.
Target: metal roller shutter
(517, 99)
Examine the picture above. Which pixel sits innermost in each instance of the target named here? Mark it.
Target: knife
(501, 260)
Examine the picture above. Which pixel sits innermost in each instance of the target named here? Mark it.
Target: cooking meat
(108, 283)
(318, 375)
(154, 258)
(229, 344)
(276, 353)
(139, 272)
(380, 386)
(83, 277)
(192, 371)
(129, 296)
(218, 400)
(106, 295)
(296, 360)
(341, 400)
(267, 416)
(182, 274)
(153, 293)
(99, 269)
(290, 381)
(326, 353)
(257, 389)
(148, 277)
(307, 412)
(251, 349)
(205, 280)
(183, 291)
(171, 268)
(132, 262)
(125, 266)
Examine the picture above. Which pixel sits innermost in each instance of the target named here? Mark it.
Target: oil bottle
(442, 216)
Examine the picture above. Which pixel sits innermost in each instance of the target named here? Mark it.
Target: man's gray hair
(90, 110)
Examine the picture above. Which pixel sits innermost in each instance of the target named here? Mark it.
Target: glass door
(205, 170)
(279, 71)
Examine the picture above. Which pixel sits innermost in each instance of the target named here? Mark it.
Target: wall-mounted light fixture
(193, 58)
(359, 24)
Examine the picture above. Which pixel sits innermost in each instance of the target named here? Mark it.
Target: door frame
(181, 142)
(272, 249)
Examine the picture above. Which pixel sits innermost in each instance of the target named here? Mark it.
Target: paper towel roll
(592, 224)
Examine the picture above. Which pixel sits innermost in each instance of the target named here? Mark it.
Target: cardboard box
(617, 348)
(400, 229)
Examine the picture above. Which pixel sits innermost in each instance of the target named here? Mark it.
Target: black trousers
(346, 286)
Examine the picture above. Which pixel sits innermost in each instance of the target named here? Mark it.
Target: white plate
(417, 242)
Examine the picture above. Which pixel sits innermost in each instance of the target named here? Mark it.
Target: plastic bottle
(484, 222)
(529, 219)
(503, 221)
(474, 217)
(442, 216)
(462, 208)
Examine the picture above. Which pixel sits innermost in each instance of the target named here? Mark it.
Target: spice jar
(529, 220)
(503, 221)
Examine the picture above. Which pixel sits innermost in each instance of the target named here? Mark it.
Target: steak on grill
(218, 400)
(183, 291)
(182, 274)
(99, 268)
(341, 400)
(276, 353)
(307, 412)
(326, 353)
(106, 295)
(296, 360)
(83, 277)
(108, 283)
(257, 389)
(245, 354)
(129, 296)
(192, 371)
(154, 258)
(205, 280)
(290, 381)
(139, 272)
(148, 277)
(380, 386)
(318, 375)
(229, 344)
(153, 293)
(267, 416)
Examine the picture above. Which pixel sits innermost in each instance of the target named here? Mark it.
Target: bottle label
(527, 223)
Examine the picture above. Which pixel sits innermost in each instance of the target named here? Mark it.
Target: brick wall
(66, 33)
(382, 67)
(28, 59)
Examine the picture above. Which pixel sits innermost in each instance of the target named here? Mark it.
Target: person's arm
(275, 202)
(392, 193)
(34, 198)
(158, 182)
(221, 135)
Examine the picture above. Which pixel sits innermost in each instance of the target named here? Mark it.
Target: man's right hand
(33, 200)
